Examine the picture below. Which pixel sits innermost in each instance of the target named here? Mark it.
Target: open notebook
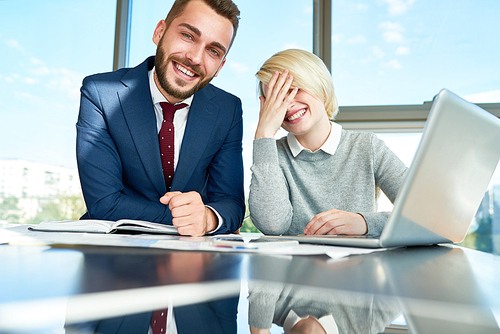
(451, 170)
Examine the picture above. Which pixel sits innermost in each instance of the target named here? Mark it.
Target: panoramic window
(405, 51)
(390, 52)
(399, 52)
(261, 34)
(45, 56)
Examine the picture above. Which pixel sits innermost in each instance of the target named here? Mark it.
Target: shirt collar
(327, 322)
(157, 96)
(330, 145)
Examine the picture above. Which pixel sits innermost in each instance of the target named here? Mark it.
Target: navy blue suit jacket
(119, 157)
(215, 317)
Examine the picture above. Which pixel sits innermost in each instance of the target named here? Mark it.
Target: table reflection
(136, 269)
(300, 309)
(439, 289)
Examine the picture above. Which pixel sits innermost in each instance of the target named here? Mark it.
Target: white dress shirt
(330, 145)
(327, 322)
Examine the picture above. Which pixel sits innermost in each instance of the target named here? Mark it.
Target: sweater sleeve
(268, 200)
(262, 298)
(389, 172)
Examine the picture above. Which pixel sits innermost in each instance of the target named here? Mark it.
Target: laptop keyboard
(335, 236)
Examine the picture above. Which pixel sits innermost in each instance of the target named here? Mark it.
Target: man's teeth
(185, 70)
(297, 115)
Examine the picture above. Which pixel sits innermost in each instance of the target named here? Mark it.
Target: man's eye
(188, 36)
(214, 52)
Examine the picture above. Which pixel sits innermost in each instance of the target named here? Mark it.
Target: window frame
(393, 118)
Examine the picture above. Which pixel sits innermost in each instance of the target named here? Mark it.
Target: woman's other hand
(336, 222)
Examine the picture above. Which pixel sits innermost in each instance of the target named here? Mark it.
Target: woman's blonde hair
(309, 74)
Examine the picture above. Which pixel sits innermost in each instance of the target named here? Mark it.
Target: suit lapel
(138, 110)
(200, 125)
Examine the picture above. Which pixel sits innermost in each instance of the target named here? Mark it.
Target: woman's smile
(295, 114)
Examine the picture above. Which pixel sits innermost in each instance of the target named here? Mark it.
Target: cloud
(292, 46)
(66, 81)
(378, 52)
(393, 64)
(40, 71)
(238, 67)
(392, 37)
(391, 26)
(363, 7)
(29, 98)
(37, 71)
(30, 81)
(12, 43)
(398, 7)
(484, 97)
(36, 61)
(364, 61)
(336, 38)
(403, 51)
(360, 39)
(12, 78)
(392, 32)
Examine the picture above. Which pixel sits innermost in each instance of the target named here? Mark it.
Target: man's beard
(161, 63)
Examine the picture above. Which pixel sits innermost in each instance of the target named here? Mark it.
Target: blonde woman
(320, 178)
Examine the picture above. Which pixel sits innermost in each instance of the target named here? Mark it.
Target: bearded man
(123, 169)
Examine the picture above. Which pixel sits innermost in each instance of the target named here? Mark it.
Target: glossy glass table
(438, 289)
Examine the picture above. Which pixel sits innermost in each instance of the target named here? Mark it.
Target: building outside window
(47, 48)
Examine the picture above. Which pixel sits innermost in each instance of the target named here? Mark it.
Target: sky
(384, 52)
(404, 52)
(44, 57)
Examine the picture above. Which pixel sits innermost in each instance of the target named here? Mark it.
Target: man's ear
(159, 31)
(220, 67)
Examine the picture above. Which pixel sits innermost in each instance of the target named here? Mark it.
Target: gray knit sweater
(286, 192)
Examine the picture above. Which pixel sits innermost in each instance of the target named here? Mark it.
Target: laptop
(444, 186)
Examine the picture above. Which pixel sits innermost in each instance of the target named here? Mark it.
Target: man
(119, 132)
(120, 119)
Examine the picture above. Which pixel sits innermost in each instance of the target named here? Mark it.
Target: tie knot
(169, 110)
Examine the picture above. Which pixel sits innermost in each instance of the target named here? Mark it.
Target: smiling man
(130, 164)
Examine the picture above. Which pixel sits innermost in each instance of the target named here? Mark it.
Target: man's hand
(336, 222)
(189, 213)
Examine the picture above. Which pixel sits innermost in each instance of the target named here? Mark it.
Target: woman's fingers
(274, 105)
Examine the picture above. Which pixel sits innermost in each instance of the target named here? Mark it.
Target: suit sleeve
(225, 183)
(100, 164)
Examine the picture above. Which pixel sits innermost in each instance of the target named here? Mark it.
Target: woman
(320, 178)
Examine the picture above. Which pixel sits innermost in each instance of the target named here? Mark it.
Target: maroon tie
(159, 322)
(166, 138)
